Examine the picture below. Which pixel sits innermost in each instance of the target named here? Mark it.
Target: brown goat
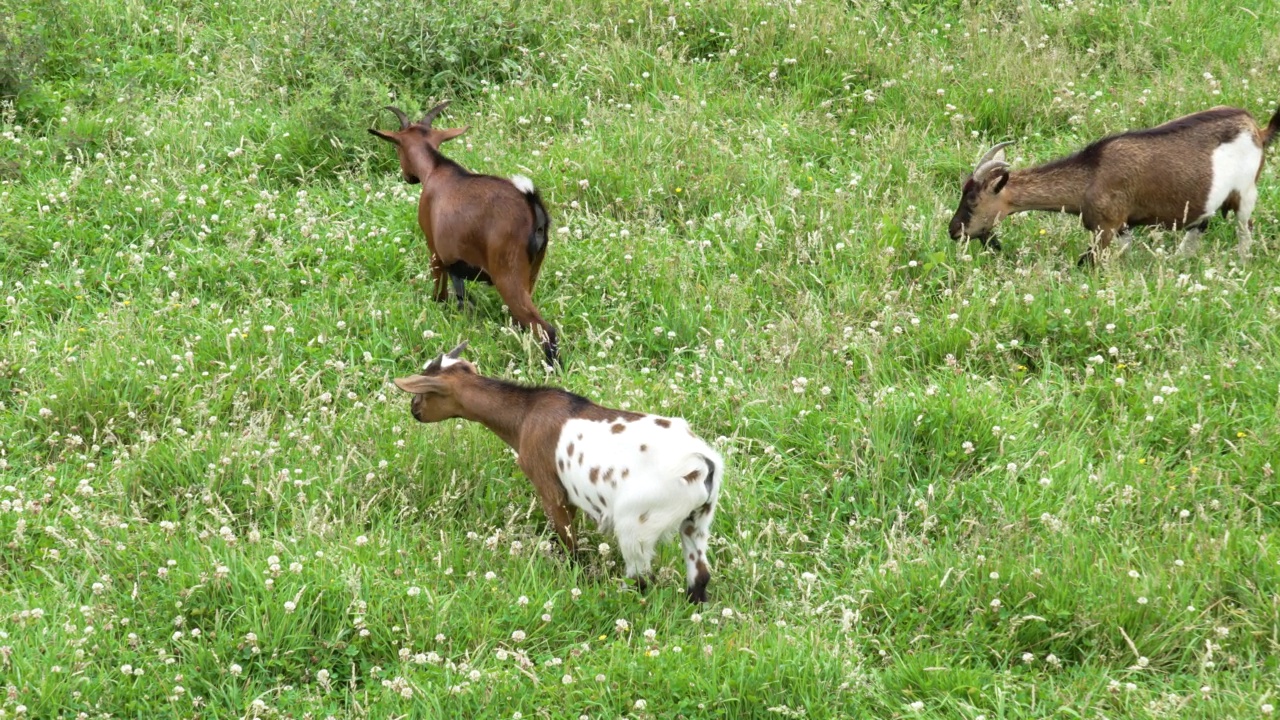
(1175, 175)
(478, 227)
(643, 477)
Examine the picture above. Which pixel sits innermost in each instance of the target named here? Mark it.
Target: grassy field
(960, 485)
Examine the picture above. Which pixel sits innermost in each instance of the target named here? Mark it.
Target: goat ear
(385, 136)
(452, 133)
(1000, 181)
(420, 385)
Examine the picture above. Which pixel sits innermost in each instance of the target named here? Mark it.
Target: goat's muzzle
(988, 238)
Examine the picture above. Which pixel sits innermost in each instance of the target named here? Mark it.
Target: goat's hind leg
(1244, 231)
(695, 531)
(518, 301)
(637, 547)
(440, 279)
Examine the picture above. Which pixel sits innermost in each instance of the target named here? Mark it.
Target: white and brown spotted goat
(1175, 175)
(642, 477)
(478, 227)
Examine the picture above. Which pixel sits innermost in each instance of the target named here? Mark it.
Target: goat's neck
(427, 161)
(492, 404)
(1058, 187)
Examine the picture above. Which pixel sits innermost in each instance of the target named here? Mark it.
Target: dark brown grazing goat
(642, 477)
(478, 227)
(1175, 175)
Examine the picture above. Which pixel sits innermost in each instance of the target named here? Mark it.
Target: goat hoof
(993, 245)
(697, 594)
(1087, 260)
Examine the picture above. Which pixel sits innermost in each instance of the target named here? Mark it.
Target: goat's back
(1177, 173)
(476, 219)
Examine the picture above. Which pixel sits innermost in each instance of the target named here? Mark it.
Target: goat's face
(981, 202)
(433, 396)
(413, 139)
(981, 207)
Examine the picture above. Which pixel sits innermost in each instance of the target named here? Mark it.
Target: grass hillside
(960, 484)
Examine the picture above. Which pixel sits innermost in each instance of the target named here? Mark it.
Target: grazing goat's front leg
(1102, 239)
(555, 503)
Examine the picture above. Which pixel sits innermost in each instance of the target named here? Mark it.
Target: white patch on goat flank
(1235, 169)
(522, 183)
(641, 479)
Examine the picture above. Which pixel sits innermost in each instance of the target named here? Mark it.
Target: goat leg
(518, 301)
(1102, 240)
(459, 289)
(441, 278)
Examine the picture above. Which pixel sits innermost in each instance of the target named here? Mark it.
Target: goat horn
(432, 113)
(404, 119)
(987, 168)
(993, 152)
(457, 352)
(435, 366)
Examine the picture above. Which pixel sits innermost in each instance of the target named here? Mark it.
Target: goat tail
(710, 481)
(1272, 129)
(541, 221)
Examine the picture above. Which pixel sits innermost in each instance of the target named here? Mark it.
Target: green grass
(960, 485)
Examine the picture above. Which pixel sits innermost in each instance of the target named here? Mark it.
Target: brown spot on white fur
(662, 422)
(569, 450)
(608, 475)
(625, 473)
(617, 428)
(595, 475)
(644, 518)
(644, 448)
(692, 477)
